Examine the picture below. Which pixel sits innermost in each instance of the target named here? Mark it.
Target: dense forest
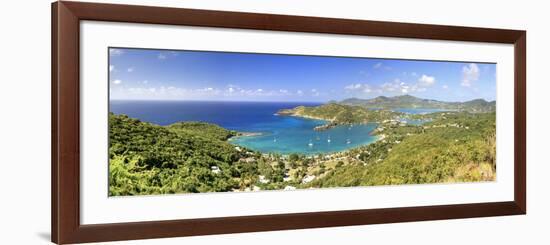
(340, 114)
(189, 157)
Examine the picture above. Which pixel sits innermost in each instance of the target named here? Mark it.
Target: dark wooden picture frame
(65, 174)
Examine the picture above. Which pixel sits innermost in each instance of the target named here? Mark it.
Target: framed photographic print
(177, 122)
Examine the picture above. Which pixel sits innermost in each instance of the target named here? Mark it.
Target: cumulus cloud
(426, 80)
(111, 68)
(377, 65)
(130, 69)
(470, 74)
(396, 86)
(142, 91)
(314, 92)
(161, 56)
(354, 86)
(283, 91)
(117, 81)
(358, 87)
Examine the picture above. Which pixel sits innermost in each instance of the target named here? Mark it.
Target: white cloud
(283, 91)
(143, 91)
(354, 86)
(366, 88)
(130, 69)
(470, 74)
(445, 87)
(314, 92)
(380, 65)
(115, 52)
(111, 68)
(394, 87)
(358, 87)
(161, 56)
(426, 80)
(117, 81)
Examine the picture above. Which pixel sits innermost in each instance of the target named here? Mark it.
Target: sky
(149, 74)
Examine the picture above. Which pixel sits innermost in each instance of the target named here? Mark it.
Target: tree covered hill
(340, 114)
(408, 101)
(151, 159)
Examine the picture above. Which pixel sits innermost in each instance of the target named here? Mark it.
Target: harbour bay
(277, 134)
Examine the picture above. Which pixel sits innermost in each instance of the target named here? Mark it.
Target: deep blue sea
(279, 134)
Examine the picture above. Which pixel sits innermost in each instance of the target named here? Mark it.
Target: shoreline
(245, 134)
(377, 137)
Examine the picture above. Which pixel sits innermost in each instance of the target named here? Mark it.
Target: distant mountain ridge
(409, 101)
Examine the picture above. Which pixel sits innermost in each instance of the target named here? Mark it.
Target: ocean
(279, 134)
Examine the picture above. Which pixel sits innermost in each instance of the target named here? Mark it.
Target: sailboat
(328, 140)
(310, 144)
(348, 141)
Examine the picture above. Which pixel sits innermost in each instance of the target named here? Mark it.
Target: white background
(97, 208)
(25, 136)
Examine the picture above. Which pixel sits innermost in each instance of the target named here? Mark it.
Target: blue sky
(147, 74)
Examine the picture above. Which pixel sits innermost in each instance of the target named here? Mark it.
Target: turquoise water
(296, 135)
(280, 134)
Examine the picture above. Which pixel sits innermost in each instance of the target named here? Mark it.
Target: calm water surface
(279, 134)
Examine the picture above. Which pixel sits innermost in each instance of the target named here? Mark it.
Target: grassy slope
(438, 154)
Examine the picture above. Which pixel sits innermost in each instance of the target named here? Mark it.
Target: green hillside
(456, 147)
(150, 159)
(190, 157)
(340, 114)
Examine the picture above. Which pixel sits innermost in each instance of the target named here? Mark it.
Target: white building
(215, 169)
(308, 178)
